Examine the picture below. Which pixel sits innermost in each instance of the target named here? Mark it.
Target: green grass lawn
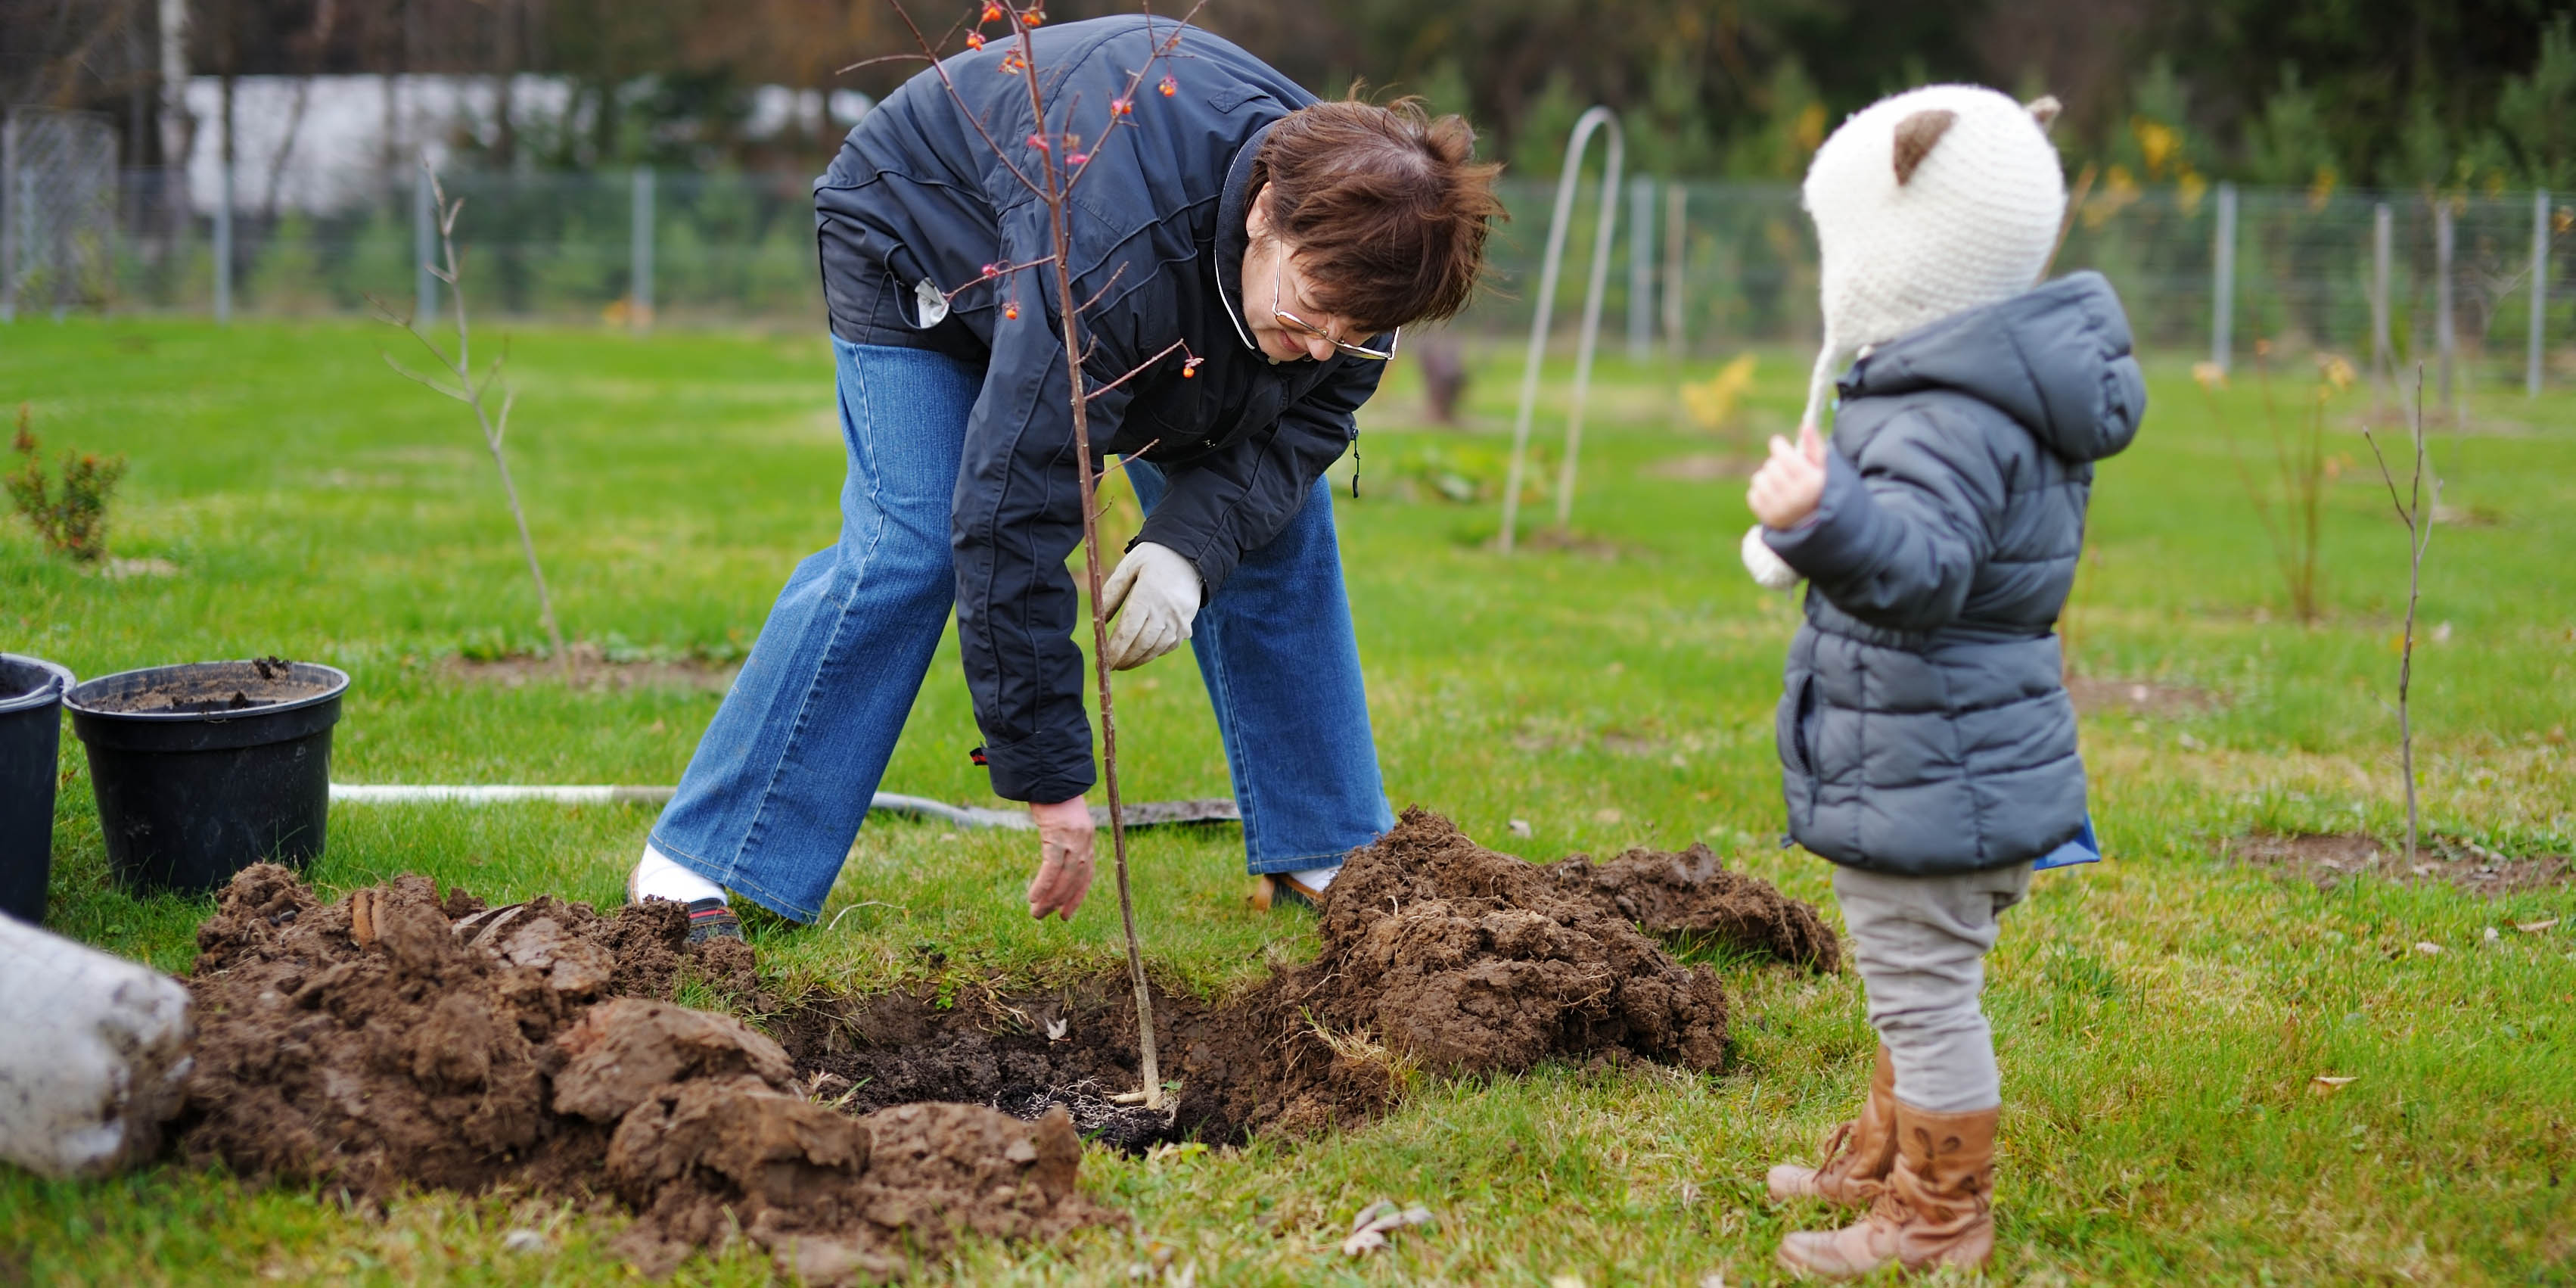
(2160, 1017)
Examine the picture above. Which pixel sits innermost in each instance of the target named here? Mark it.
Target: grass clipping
(1444, 956)
(394, 1038)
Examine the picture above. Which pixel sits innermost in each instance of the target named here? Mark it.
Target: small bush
(73, 518)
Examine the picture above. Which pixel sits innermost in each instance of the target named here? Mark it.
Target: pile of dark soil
(400, 1038)
(1442, 955)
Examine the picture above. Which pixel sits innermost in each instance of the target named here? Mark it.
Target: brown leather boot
(1935, 1210)
(1857, 1153)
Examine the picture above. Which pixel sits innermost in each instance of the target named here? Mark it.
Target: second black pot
(204, 769)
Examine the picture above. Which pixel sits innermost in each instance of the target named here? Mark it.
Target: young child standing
(1926, 739)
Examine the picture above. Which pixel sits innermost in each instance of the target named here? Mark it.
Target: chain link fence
(57, 210)
(1736, 269)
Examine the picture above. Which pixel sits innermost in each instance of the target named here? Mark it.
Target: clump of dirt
(1446, 956)
(1692, 893)
(2329, 859)
(401, 1038)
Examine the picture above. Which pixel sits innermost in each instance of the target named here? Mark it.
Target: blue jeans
(780, 783)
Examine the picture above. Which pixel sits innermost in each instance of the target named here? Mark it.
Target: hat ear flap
(1915, 136)
(2043, 109)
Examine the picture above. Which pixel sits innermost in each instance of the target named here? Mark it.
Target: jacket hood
(2056, 359)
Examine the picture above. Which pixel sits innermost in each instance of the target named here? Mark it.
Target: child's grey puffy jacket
(1925, 729)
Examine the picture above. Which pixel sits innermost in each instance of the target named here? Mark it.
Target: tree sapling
(474, 391)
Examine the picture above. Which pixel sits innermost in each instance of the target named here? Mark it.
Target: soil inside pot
(214, 690)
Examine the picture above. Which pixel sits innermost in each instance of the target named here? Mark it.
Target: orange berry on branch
(974, 40)
(1170, 87)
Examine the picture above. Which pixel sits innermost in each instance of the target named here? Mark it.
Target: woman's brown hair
(1386, 207)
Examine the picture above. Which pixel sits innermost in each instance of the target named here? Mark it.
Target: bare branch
(1133, 371)
(940, 69)
(424, 382)
(885, 58)
(1114, 275)
(1121, 463)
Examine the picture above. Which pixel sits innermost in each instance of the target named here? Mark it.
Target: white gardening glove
(1766, 565)
(1159, 592)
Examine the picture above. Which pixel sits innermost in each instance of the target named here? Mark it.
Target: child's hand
(1787, 488)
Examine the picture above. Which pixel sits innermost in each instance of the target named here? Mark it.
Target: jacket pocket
(1795, 725)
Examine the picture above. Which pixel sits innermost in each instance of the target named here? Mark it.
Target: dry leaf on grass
(2326, 1084)
(2534, 927)
(1370, 1228)
(2428, 946)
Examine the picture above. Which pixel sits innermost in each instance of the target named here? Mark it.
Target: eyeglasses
(1303, 327)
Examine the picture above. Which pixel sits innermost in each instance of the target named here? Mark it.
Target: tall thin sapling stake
(2416, 511)
(1060, 161)
(475, 392)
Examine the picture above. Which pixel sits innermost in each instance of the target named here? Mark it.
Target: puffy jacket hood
(2056, 359)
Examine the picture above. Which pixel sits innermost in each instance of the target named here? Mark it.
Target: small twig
(1120, 464)
(1167, 351)
(472, 391)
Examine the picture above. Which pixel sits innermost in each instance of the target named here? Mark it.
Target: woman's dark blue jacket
(917, 198)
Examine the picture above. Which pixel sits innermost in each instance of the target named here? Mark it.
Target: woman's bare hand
(1064, 858)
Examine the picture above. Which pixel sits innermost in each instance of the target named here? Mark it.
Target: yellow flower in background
(2157, 142)
(2335, 370)
(2209, 375)
(2189, 189)
(2564, 220)
(1713, 402)
(2321, 189)
(1811, 126)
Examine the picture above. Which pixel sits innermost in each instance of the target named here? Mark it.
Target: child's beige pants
(1920, 943)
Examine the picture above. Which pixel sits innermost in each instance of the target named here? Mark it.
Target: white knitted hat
(1929, 203)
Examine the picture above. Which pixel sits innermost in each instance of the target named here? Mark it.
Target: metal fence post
(13, 216)
(2383, 355)
(224, 248)
(639, 310)
(2445, 335)
(1641, 267)
(2539, 293)
(2222, 287)
(424, 247)
(1675, 246)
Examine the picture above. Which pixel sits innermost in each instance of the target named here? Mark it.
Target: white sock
(657, 877)
(1316, 879)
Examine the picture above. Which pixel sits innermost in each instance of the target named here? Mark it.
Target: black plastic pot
(204, 769)
(31, 733)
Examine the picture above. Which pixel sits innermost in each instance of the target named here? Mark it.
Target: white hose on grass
(890, 802)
